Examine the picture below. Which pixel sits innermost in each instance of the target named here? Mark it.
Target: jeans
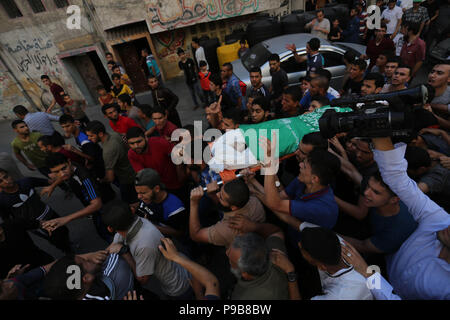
(195, 90)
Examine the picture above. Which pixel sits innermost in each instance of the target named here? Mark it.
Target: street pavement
(82, 231)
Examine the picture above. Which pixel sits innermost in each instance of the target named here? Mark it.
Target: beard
(236, 272)
(223, 208)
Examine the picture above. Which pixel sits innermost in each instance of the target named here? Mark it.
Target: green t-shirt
(30, 149)
(290, 131)
(115, 156)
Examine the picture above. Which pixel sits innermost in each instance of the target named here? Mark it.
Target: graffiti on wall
(188, 12)
(34, 55)
(169, 42)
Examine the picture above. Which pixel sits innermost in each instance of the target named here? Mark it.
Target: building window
(36, 5)
(11, 8)
(61, 3)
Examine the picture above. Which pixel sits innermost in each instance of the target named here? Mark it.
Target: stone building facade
(35, 39)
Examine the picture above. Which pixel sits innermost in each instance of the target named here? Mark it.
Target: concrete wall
(164, 15)
(29, 45)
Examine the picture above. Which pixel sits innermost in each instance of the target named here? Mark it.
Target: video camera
(391, 114)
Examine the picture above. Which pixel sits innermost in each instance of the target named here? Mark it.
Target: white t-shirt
(393, 16)
(346, 284)
(200, 55)
(398, 42)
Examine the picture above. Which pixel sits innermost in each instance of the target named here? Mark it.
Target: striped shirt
(41, 122)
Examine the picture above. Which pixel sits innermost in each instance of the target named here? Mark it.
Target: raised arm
(393, 165)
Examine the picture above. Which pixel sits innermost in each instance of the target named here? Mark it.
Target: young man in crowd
(355, 81)
(118, 169)
(392, 16)
(165, 210)
(413, 50)
(290, 106)
(118, 88)
(392, 63)
(320, 26)
(26, 142)
(256, 84)
(152, 65)
(401, 77)
(155, 153)
(319, 87)
(125, 103)
(124, 78)
(56, 91)
(142, 239)
(199, 52)
(76, 108)
(118, 123)
(279, 82)
(164, 127)
(21, 205)
(378, 45)
(259, 110)
(417, 15)
(110, 61)
(314, 59)
(231, 86)
(85, 188)
(36, 121)
(95, 163)
(188, 66)
(165, 98)
(372, 84)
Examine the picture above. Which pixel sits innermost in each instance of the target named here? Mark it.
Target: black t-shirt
(226, 101)
(431, 8)
(84, 186)
(25, 206)
(189, 70)
(334, 33)
(279, 82)
(352, 87)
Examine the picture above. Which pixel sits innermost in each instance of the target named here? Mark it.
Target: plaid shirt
(418, 17)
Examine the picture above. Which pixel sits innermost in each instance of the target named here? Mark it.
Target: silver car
(257, 56)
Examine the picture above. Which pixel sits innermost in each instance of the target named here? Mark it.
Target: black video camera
(391, 114)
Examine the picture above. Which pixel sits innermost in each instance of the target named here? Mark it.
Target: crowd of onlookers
(174, 231)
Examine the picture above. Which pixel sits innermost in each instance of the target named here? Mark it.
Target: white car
(257, 56)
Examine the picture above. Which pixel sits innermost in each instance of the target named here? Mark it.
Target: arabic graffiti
(36, 55)
(168, 42)
(22, 45)
(218, 9)
(188, 12)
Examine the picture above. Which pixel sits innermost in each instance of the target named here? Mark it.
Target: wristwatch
(292, 276)
(123, 250)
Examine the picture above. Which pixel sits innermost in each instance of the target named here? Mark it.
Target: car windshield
(255, 57)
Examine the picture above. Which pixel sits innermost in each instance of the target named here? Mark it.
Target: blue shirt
(314, 62)
(164, 213)
(82, 139)
(415, 270)
(151, 62)
(233, 90)
(306, 100)
(389, 233)
(319, 208)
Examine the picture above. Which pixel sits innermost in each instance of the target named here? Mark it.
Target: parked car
(440, 53)
(257, 57)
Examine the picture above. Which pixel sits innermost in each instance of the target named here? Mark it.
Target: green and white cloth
(239, 148)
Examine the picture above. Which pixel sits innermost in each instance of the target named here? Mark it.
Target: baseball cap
(148, 177)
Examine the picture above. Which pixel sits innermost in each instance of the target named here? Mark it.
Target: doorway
(88, 72)
(130, 55)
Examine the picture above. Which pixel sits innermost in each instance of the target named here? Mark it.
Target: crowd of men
(172, 231)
